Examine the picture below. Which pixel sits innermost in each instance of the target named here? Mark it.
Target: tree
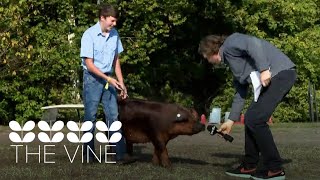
(293, 26)
(40, 43)
(38, 64)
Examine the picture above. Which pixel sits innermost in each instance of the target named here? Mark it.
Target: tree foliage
(291, 25)
(40, 43)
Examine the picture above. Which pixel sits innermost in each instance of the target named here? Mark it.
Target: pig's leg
(160, 153)
(164, 158)
(155, 158)
(129, 148)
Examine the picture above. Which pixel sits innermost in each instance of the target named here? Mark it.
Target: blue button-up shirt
(102, 49)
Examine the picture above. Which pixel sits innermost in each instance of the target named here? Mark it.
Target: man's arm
(118, 71)
(86, 53)
(255, 50)
(93, 69)
(237, 106)
(246, 45)
(238, 100)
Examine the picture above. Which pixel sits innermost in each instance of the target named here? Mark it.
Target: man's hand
(265, 77)
(226, 127)
(123, 93)
(114, 83)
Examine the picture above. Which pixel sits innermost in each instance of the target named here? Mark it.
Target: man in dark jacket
(244, 55)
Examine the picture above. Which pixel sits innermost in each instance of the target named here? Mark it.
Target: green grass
(197, 157)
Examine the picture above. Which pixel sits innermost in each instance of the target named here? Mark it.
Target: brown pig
(148, 121)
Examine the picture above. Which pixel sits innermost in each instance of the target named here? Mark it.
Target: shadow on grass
(286, 161)
(227, 155)
(147, 158)
(239, 158)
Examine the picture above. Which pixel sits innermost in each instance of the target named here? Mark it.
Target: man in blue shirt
(100, 49)
(244, 55)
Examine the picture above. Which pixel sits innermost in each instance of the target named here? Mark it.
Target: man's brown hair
(210, 45)
(106, 10)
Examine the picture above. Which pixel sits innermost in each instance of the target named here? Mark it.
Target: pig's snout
(198, 127)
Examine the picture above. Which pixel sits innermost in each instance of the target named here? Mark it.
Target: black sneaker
(274, 175)
(241, 171)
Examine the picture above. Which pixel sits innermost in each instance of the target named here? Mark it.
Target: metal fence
(313, 105)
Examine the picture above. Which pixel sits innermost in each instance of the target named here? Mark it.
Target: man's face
(107, 23)
(214, 59)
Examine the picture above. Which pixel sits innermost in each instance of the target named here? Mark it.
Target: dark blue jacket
(244, 54)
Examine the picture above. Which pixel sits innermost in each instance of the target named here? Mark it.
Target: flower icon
(15, 137)
(86, 126)
(44, 126)
(115, 126)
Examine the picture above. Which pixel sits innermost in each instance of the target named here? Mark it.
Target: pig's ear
(180, 117)
(194, 112)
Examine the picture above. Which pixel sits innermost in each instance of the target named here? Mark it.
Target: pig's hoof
(166, 164)
(155, 161)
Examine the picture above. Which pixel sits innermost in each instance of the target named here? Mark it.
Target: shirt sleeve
(238, 100)
(256, 51)
(119, 46)
(86, 50)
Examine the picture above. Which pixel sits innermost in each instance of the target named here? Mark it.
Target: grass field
(193, 157)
